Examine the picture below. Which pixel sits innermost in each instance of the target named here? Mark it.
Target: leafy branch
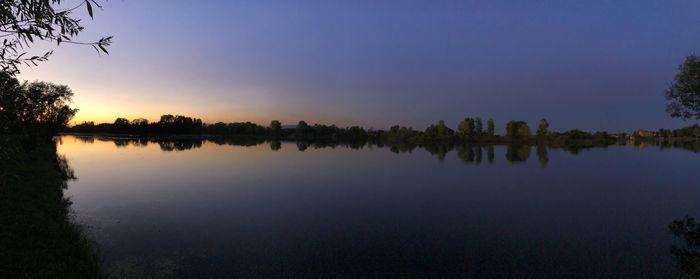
(23, 22)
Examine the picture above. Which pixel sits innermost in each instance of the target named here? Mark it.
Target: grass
(37, 237)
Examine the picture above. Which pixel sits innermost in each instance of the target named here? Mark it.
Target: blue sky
(594, 65)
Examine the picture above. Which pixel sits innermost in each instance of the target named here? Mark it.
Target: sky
(591, 65)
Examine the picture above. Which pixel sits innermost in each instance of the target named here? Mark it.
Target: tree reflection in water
(468, 153)
(686, 256)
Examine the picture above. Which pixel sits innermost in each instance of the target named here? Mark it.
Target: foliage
(275, 128)
(543, 128)
(398, 137)
(37, 237)
(34, 108)
(25, 22)
(684, 91)
(491, 128)
(479, 127)
(466, 128)
(517, 130)
(301, 130)
(687, 132)
(688, 256)
(437, 131)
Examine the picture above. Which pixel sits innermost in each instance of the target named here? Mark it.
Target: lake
(241, 208)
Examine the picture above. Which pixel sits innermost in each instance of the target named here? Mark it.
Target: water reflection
(438, 149)
(262, 210)
(473, 154)
(275, 145)
(517, 153)
(542, 155)
(470, 154)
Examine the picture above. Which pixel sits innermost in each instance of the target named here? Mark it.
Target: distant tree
(121, 125)
(465, 128)
(491, 128)
(140, 122)
(140, 125)
(438, 131)
(24, 22)
(301, 130)
(85, 127)
(275, 127)
(121, 122)
(442, 128)
(524, 131)
(479, 129)
(167, 119)
(684, 90)
(517, 130)
(543, 128)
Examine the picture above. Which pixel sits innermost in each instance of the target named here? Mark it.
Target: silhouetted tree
(466, 128)
(34, 108)
(121, 121)
(684, 91)
(275, 128)
(9, 92)
(543, 128)
(302, 130)
(442, 128)
(517, 130)
(121, 124)
(22, 23)
(479, 127)
(139, 125)
(85, 127)
(438, 132)
(167, 119)
(491, 128)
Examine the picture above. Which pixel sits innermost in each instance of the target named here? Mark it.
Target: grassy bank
(37, 238)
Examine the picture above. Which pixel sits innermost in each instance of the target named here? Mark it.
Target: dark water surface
(208, 210)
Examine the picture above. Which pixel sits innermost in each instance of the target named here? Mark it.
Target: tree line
(469, 130)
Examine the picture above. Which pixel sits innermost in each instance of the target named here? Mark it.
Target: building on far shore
(640, 132)
(645, 133)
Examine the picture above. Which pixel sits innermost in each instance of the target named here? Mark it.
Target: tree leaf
(89, 7)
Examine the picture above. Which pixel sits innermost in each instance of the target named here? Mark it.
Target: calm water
(208, 210)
